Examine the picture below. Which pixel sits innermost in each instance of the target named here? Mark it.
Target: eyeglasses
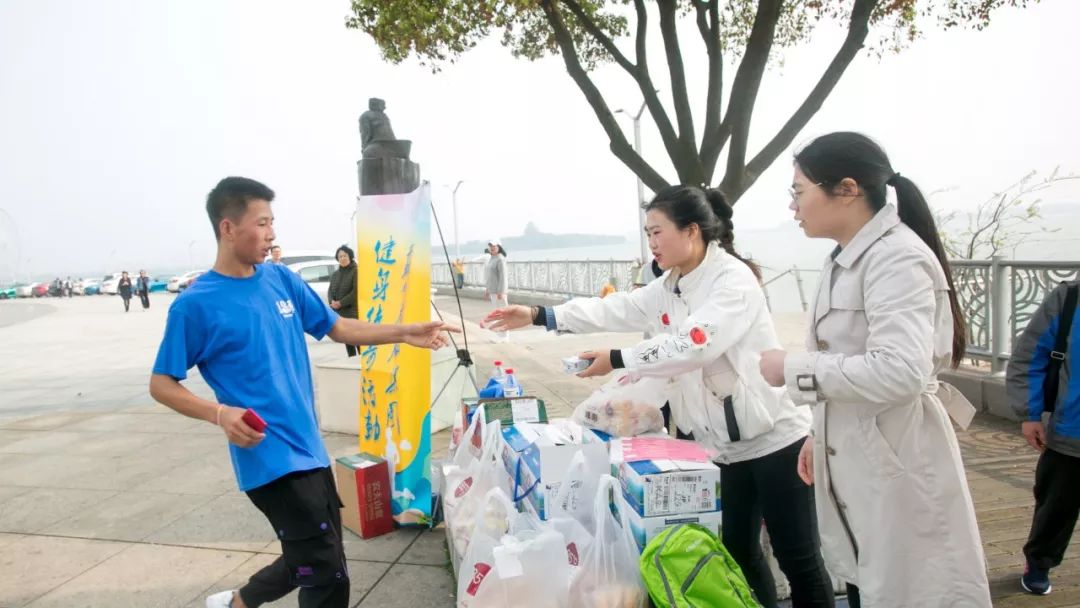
(795, 195)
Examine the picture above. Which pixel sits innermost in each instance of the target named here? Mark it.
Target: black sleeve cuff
(616, 359)
(541, 316)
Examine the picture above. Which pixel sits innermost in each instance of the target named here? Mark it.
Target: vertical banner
(393, 256)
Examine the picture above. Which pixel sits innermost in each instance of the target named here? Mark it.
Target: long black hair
(706, 207)
(502, 251)
(830, 158)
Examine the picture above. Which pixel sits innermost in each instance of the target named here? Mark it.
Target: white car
(25, 291)
(181, 282)
(303, 255)
(317, 274)
(109, 283)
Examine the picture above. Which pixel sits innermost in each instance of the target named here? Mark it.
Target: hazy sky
(117, 116)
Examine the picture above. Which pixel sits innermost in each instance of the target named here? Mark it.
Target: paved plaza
(108, 499)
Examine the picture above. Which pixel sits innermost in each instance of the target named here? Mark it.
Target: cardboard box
(363, 483)
(670, 487)
(644, 529)
(537, 457)
(511, 410)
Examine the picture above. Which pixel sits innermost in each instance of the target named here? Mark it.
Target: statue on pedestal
(377, 136)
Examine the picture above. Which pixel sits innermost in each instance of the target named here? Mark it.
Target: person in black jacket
(142, 287)
(124, 289)
(342, 292)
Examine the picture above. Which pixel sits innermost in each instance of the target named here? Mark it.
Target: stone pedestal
(387, 176)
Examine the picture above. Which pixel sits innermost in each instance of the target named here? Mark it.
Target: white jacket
(708, 333)
(894, 511)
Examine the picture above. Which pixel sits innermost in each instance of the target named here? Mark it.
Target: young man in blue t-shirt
(243, 324)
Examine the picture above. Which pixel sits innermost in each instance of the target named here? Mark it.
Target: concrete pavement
(107, 499)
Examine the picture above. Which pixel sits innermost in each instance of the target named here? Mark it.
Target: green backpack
(686, 566)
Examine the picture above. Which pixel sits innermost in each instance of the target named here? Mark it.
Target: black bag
(1061, 346)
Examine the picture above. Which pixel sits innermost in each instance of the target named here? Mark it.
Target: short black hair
(275, 247)
(348, 251)
(230, 198)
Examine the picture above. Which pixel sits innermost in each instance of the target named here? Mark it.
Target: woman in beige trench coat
(895, 514)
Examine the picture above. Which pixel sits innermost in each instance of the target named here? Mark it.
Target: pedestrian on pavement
(275, 254)
(608, 288)
(496, 281)
(459, 273)
(255, 356)
(896, 516)
(68, 288)
(142, 287)
(711, 322)
(342, 291)
(124, 288)
(1041, 384)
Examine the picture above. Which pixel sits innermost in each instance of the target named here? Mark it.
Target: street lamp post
(453, 198)
(640, 186)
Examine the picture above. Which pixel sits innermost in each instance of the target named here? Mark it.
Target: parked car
(296, 257)
(8, 293)
(159, 284)
(317, 274)
(109, 283)
(41, 289)
(25, 291)
(179, 283)
(91, 287)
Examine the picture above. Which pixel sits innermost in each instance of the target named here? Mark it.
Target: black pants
(854, 600)
(1057, 504)
(127, 303)
(304, 510)
(350, 350)
(768, 488)
(145, 297)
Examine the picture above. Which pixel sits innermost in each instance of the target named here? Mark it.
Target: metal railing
(998, 296)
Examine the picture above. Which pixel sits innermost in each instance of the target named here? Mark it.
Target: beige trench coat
(893, 505)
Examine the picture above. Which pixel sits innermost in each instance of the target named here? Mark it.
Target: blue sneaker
(1035, 580)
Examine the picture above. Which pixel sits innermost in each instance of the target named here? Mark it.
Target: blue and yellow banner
(393, 256)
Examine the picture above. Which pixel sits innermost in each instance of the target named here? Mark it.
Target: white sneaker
(220, 600)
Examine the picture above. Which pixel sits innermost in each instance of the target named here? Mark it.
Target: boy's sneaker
(220, 600)
(1035, 580)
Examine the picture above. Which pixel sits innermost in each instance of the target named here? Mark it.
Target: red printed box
(364, 485)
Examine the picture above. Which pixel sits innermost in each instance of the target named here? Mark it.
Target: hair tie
(892, 179)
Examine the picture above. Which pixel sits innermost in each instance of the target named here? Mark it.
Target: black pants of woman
(127, 303)
(769, 489)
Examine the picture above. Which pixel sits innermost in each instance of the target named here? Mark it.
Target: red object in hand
(253, 420)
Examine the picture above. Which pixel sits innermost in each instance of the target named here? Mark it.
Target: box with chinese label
(670, 487)
(537, 458)
(508, 411)
(363, 483)
(644, 529)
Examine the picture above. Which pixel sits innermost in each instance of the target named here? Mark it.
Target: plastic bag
(623, 408)
(609, 576)
(468, 479)
(572, 510)
(510, 562)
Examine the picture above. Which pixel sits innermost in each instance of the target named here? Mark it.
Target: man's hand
(1035, 433)
(335, 305)
(772, 366)
(428, 335)
(238, 432)
(601, 364)
(806, 462)
(508, 317)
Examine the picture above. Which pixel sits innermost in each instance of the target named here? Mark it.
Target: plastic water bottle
(511, 388)
(497, 372)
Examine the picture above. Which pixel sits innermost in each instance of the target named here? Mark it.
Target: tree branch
(687, 163)
(620, 147)
(858, 29)
(604, 40)
(648, 91)
(712, 140)
(744, 92)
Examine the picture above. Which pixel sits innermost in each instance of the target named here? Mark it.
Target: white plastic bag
(468, 480)
(624, 408)
(572, 510)
(523, 567)
(609, 576)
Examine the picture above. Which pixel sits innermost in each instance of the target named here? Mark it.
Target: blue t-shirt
(247, 337)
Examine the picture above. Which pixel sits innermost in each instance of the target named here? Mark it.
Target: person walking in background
(142, 287)
(896, 516)
(496, 281)
(459, 273)
(68, 288)
(608, 288)
(342, 292)
(1042, 380)
(124, 289)
(275, 254)
(244, 324)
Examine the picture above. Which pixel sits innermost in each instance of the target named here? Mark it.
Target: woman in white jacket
(710, 322)
(896, 518)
